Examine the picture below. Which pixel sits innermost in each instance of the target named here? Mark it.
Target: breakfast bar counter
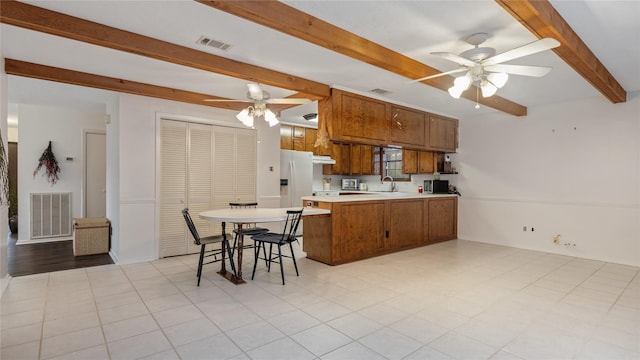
(364, 225)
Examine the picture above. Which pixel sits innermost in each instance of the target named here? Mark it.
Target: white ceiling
(413, 28)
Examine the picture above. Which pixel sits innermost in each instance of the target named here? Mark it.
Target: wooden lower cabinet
(405, 223)
(443, 219)
(361, 229)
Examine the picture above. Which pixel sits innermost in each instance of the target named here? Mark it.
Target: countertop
(374, 195)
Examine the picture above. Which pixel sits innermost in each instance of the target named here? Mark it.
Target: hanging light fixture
(489, 84)
(247, 116)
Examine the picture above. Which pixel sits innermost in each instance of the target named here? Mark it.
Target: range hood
(318, 159)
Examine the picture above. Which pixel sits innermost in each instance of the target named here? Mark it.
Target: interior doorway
(95, 174)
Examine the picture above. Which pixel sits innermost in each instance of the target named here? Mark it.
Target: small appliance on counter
(436, 186)
(350, 184)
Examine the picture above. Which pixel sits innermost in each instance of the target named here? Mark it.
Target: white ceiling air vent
(380, 91)
(211, 42)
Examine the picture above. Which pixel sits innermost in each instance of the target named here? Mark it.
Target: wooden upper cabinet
(310, 136)
(426, 162)
(408, 127)
(298, 138)
(418, 162)
(341, 153)
(367, 159)
(443, 133)
(409, 161)
(286, 137)
(359, 118)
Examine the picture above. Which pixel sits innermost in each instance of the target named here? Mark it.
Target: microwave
(436, 186)
(350, 184)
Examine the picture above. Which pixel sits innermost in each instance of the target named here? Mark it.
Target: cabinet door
(367, 159)
(360, 226)
(443, 133)
(408, 127)
(405, 223)
(442, 219)
(341, 154)
(286, 137)
(310, 136)
(426, 162)
(355, 160)
(360, 118)
(409, 161)
(298, 138)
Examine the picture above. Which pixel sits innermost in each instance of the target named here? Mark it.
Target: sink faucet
(393, 183)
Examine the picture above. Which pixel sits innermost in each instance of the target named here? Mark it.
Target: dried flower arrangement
(48, 160)
(4, 175)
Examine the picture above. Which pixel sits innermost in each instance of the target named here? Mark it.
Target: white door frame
(83, 200)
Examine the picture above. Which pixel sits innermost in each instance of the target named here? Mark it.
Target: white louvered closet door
(199, 179)
(224, 145)
(246, 157)
(173, 187)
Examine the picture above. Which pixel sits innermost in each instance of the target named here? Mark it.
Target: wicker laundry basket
(91, 236)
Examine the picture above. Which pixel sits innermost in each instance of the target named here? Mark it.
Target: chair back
(236, 205)
(191, 226)
(291, 225)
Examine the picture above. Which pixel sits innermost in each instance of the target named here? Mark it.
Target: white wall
(571, 169)
(4, 210)
(135, 230)
(39, 124)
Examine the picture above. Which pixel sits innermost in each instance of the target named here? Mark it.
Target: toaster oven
(350, 184)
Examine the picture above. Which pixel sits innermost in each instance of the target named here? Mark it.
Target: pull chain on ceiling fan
(484, 68)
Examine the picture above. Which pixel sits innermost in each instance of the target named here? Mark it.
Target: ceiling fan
(486, 69)
(260, 98)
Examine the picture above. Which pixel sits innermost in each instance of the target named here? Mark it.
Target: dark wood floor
(46, 257)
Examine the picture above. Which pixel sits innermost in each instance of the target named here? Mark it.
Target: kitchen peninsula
(375, 223)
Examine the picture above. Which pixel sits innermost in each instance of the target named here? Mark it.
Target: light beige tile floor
(454, 300)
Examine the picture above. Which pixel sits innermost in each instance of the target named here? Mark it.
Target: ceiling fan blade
(255, 91)
(227, 100)
(524, 70)
(288, 101)
(524, 50)
(440, 74)
(455, 58)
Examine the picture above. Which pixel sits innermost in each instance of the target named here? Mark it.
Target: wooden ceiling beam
(44, 72)
(288, 20)
(543, 20)
(59, 24)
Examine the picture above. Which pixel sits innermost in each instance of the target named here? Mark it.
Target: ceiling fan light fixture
(246, 116)
(488, 89)
(455, 91)
(271, 118)
(498, 79)
(462, 82)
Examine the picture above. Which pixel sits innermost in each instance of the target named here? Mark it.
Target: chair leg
(295, 265)
(269, 262)
(230, 253)
(256, 252)
(280, 260)
(200, 262)
(264, 253)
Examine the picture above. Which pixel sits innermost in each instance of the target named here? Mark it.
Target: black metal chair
(247, 229)
(287, 236)
(209, 240)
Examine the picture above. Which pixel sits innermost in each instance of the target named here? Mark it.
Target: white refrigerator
(296, 177)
